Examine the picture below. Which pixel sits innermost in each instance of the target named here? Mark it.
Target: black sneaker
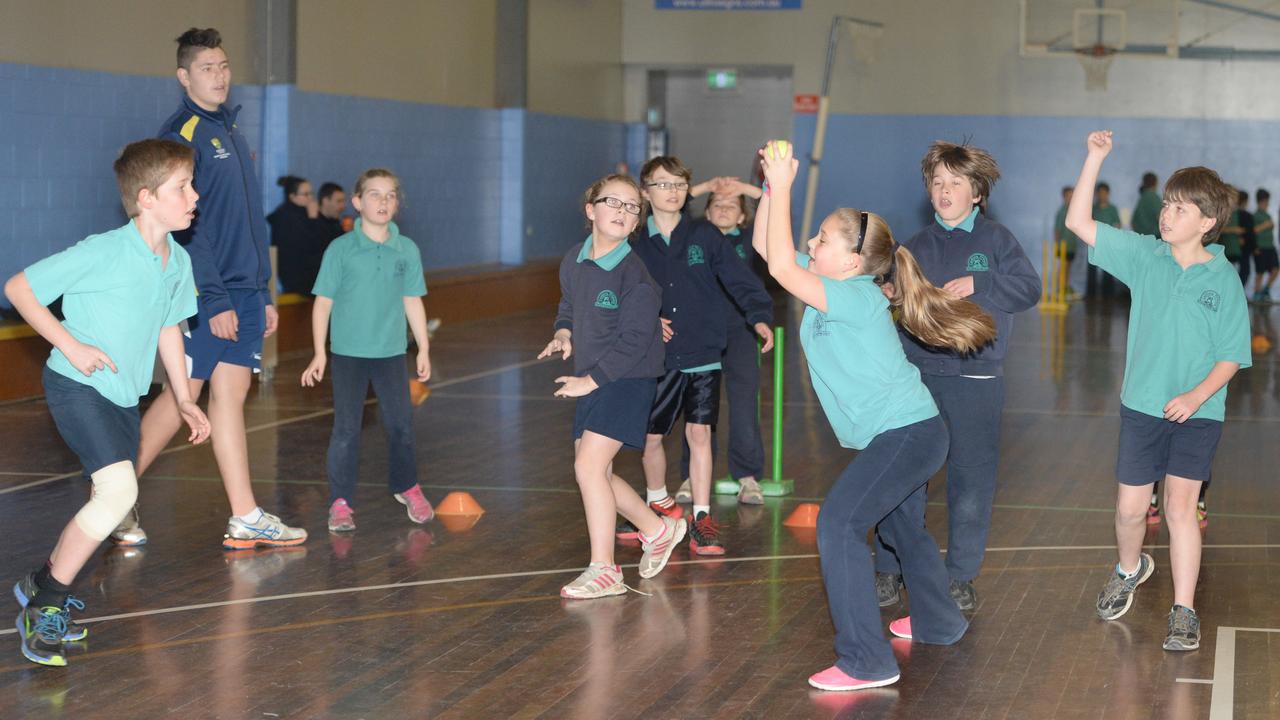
(887, 585)
(41, 631)
(704, 536)
(1117, 595)
(965, 596)
(25, 589)
(1184, 629)
(626, 531)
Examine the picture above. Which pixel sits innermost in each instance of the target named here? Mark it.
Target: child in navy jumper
(609, 315)
(971, 257)
(690, 261)
(727, 209)
(877, 405)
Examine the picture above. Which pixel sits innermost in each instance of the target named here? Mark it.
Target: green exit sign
(722, 79)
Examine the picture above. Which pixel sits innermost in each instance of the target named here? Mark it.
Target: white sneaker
(657, 552)
(597, 581)
(129, 533)
(749, 492)
(685, 493)
(268, 531)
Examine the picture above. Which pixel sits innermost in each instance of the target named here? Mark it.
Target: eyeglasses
(615, 203)
(668, 185)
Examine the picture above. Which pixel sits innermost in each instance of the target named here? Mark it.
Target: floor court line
(558, 571)
(290, 421)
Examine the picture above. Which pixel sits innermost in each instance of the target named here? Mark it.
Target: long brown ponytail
(925, 311)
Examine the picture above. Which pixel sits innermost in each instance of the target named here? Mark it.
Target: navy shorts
(697, 394)
(98, 431)
(1265, 260)
(1152, 447)
(206, 350)
(619, 410)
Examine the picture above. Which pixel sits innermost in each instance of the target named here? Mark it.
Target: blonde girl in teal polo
(876, 403)
(370, 285)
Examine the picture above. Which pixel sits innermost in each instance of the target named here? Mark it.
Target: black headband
(862, 232)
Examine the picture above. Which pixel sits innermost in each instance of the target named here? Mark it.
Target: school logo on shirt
(219, 151)
(607, 300)
(742, 252)
(1211, 299)
(977, 263)
(696, 256)
(402, 266)
(820, 326)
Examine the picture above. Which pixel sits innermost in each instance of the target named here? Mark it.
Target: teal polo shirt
(609, 260)
(966, 224)
(859, 370)
(1068, 238)
(116, 295)
(1181, 322)
(368, 282)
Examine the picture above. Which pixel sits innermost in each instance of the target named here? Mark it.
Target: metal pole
(777, 403)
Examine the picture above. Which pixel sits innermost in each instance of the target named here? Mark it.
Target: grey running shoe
(25, 589)
(965, 596)
(1184, 629)
(685, 493)
(749, 492)
(597, 581)
(269, 531)
(1117, 596)
(129, 533)
(887, 585)
(657, 553)
(41, 630)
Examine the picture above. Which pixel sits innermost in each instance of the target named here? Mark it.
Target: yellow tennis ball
(782, 147)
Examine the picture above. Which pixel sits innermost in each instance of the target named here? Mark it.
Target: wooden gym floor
(402, 621)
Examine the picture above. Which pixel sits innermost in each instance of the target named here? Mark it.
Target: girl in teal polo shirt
(370, 284)
(876, 404)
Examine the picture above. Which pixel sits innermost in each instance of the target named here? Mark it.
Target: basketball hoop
(1096, 61)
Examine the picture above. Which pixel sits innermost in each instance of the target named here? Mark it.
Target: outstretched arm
(1080, 212)
(780, 170)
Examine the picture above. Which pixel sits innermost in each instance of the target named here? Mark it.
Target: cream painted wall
(427, 51)
(135, 37)
(575, 58)
(954, 57)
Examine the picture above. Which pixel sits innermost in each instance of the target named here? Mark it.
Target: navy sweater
(1004, 283)
(228, 240)
(613, 315)
(690, 271)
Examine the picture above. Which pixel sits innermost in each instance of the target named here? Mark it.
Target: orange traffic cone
(804, 516)
(418, 392)
(458, 511)
(1261, 344)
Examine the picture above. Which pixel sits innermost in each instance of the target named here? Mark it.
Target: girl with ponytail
(876, 404)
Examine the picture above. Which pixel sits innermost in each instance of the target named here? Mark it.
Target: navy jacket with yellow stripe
(228, 240)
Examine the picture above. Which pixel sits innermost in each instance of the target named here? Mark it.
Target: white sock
(655, 495)
(701, 509)
(1125, 573)
(253, 515)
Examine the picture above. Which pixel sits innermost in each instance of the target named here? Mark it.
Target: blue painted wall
(481, 186)
(873, 161)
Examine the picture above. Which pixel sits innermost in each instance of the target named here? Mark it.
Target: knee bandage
(115, 490)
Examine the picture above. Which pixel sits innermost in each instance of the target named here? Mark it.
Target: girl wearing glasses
(876, 404)
(371, 283)
(609, 315)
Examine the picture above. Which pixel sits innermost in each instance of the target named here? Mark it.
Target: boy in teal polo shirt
(123, 292)
(371, 283)
(1265, 263)
(1189, 335)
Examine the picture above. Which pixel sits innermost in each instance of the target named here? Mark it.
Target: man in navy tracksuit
(228, 244)
(690, 260)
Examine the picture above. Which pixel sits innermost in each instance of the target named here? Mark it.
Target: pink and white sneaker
(419, 509)
(341, 517)
(901, 627)
(836, 680)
